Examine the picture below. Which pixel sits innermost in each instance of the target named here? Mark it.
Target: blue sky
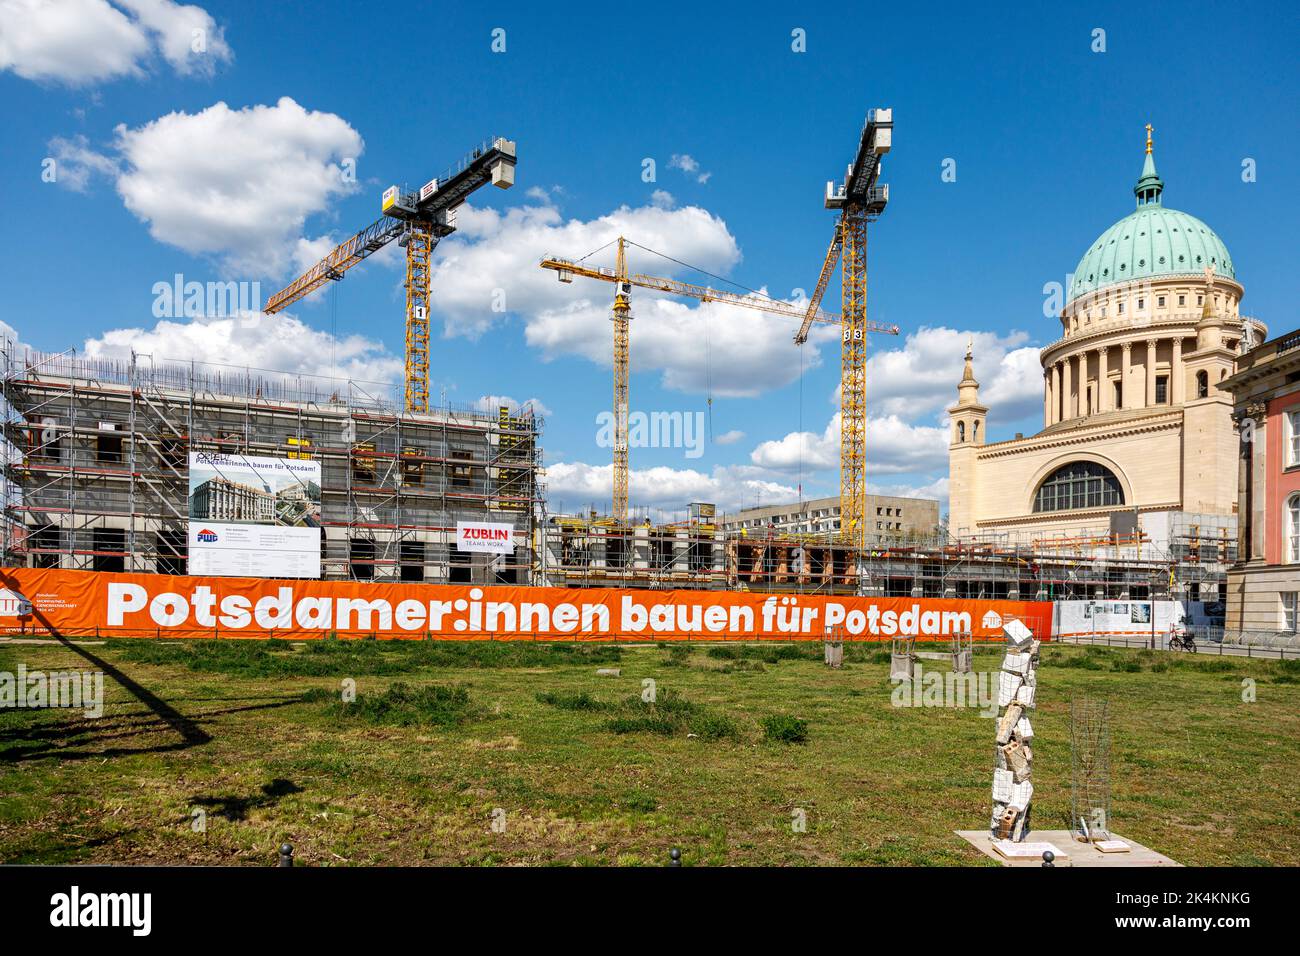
(1046, 135)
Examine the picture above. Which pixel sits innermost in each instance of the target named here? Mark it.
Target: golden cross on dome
(1149, 129)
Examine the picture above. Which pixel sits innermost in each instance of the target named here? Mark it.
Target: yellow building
(1135, 426)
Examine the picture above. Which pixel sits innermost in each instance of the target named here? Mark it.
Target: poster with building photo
(251, 516)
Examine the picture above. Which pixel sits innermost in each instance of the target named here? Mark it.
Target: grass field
(581, 771)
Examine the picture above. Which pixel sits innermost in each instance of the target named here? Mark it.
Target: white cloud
(75, 163)
(893, 447)
(490, 403)
(729, 438)
(10, 340)
(546, 195)
(187, 36)
(689, 165)
(237, 184)
(921, 377)
(80, 42)
(663, 199)
(276, 342)
(933, 489)
(735, 351)
(666, 491)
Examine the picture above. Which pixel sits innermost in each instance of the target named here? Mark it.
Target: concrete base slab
(1076, 852)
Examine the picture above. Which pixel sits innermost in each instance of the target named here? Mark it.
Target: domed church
(1136, 434)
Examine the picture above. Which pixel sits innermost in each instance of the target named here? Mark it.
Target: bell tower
(967, 419)
(1210, 446)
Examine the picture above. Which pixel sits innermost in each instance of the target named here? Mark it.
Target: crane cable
(334, 329)
(708, 355)
(801, 358)
(687, 265)
(708, 379)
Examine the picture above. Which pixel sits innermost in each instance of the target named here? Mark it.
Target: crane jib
(493, 162)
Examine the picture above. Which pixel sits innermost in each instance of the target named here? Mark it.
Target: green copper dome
(1152, 242)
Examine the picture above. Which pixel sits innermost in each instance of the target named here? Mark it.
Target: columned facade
(1135, 426)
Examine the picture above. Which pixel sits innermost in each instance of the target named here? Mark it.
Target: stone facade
(1137, 427)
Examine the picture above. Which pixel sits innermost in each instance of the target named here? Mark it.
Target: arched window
(1080, 484)
(961, 431)
(1202, 384)
(975, 431)
(1293, 530)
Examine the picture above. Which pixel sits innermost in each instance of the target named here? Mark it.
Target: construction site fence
(1204, 645)
(460, 637)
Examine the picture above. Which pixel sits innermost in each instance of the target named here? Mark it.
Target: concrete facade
(888, 518)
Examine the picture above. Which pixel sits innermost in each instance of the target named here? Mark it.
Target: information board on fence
(77, 603)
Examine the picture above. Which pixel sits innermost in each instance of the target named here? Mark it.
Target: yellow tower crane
(417, 220)
(860, 199)
(623, 281)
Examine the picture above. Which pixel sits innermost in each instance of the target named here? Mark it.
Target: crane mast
(621, 318)
(860, 199)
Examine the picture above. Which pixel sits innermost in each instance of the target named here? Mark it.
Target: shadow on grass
(234, 808)
(57, 738)
(190, 733)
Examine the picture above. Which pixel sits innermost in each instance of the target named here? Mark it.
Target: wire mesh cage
(1090, 769)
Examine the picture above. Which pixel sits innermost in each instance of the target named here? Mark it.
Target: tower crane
(417, 220)
(623, 282)
(860, 199)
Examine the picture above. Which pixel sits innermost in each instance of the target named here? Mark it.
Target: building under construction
(1057, 568)
(97, 479)
(96, 474)
(594, 551)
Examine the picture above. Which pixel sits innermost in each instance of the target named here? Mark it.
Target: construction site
(99, 452)
(98, 475)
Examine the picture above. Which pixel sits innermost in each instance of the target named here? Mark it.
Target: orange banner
(81, 603)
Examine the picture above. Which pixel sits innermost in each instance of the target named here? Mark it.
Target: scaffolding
(595, 551)
(942, 567)
(97, 458)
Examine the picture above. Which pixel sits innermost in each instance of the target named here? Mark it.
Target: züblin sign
(482, 536)
(79, 602)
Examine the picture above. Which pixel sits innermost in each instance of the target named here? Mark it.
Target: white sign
(253, 551)
(480, 536)
(252, 516)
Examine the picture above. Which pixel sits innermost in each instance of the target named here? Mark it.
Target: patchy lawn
(216, 752)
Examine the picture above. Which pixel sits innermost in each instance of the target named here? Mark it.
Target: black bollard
(1048, 857)
(674, 857)
(286, 855)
